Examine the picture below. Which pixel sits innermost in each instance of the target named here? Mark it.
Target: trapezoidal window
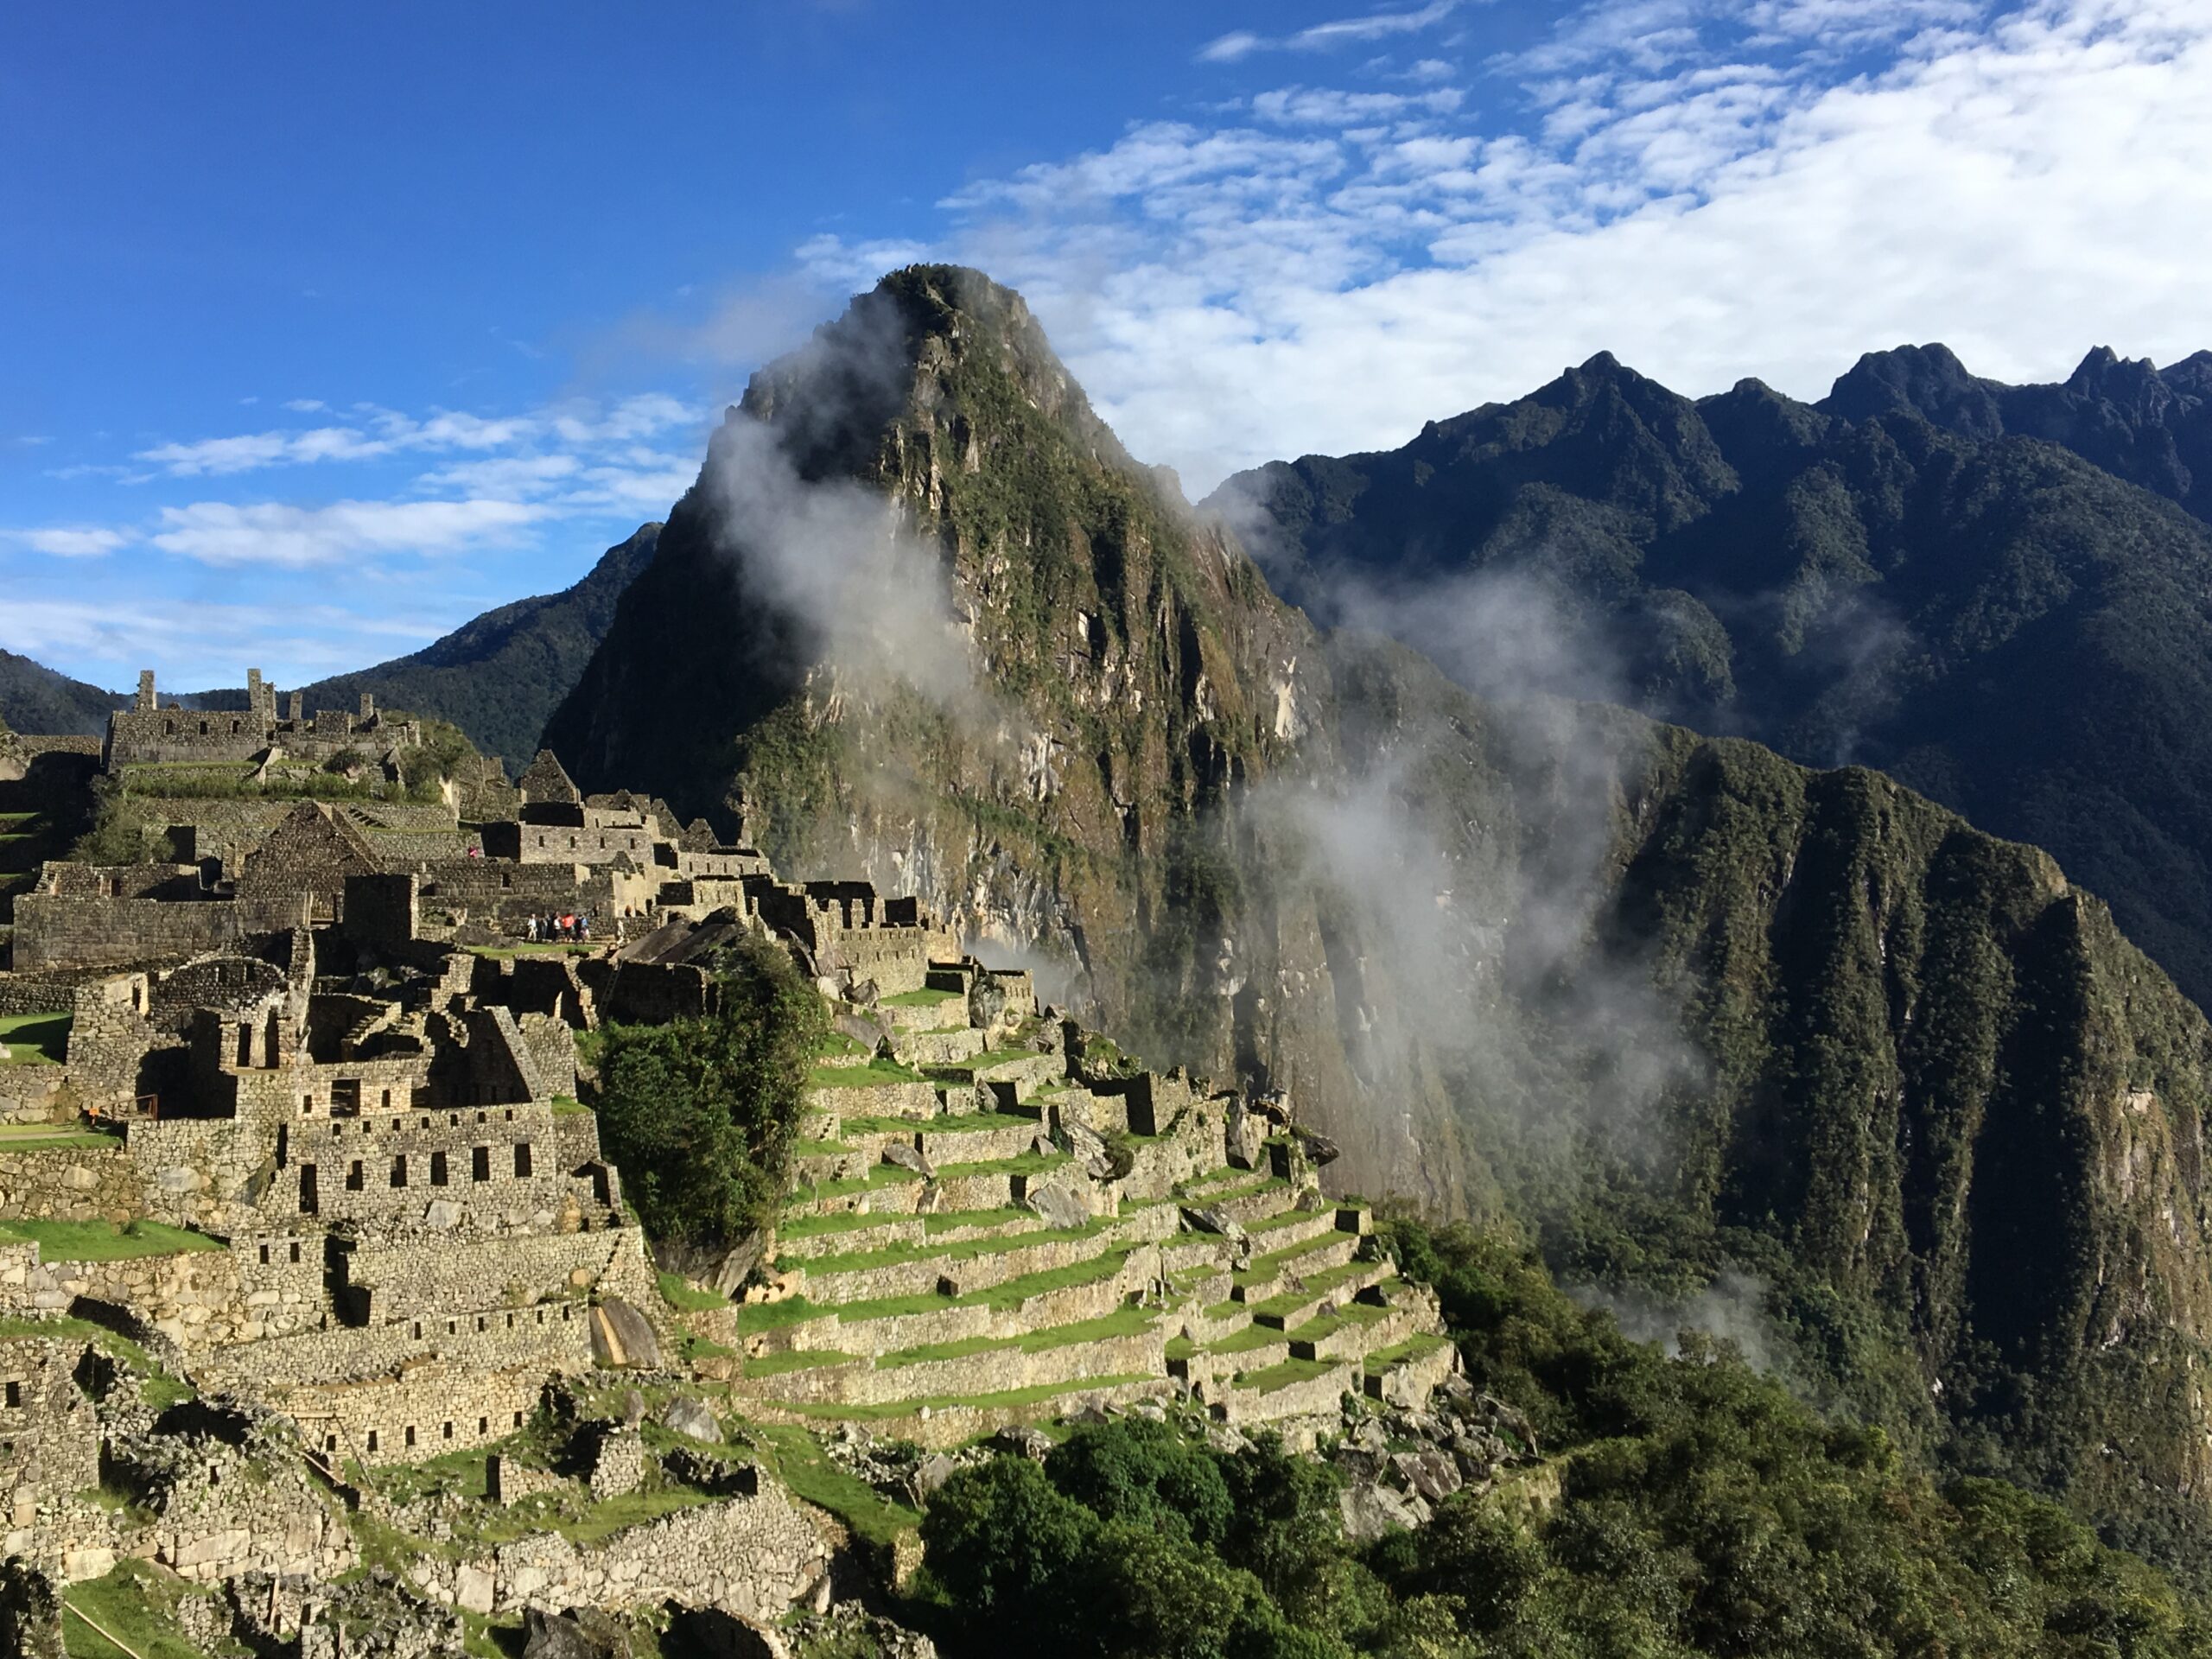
(437, 1169)
(479, 1163)
(522, 1160)
(399, 1170)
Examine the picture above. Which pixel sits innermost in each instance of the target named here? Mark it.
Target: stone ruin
(328, 1058)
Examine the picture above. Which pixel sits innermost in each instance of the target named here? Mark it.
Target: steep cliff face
(1677, 1003)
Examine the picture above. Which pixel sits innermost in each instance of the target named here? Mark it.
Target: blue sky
(328, 328)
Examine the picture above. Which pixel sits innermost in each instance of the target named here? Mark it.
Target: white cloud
(196, 643)
(295, 537)
(1696, 186)
(1321, 37)
(305, 405)
(69, 541)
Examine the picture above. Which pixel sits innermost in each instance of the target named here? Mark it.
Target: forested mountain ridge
(499, 676)
(35, 698)
(2019, 634)
(1677, 1004)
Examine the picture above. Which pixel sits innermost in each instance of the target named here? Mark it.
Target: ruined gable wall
(495, 1170)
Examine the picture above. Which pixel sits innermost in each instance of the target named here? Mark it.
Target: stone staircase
(956, 1253)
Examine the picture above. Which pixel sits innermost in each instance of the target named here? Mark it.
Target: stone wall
(428, 1277)
(35, 1094)
(546, 1338)
(69, 1184)
(429, 1407)
(199, 1300)
(485, 1169)
(49, 1439)
(751, 1557)
(1140, 1354)
(60, 932)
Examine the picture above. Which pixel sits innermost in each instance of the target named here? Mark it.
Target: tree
(996, 1535)
(699, 1113)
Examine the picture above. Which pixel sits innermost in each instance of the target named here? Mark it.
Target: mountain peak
(1927, 381)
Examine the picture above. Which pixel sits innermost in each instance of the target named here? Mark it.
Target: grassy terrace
(951, 1123)
(1327, 1325)
(36, 1039)
(1320, 1284)
(1412, 1348)
(920, 999)
(681, 1295)
(1027, 1163)
(52, 1137)
(955, 1221)
(1289, 1371)
(570, 1106)
(892, 1256)
(837, 1222)
(1127, 1322)
(1011, 1399)
(1287, 1219)
(874, 1074)
(797, 1310)
(881, 1175)
(1244, 1341)
(1265, 1267)
(103, 1241)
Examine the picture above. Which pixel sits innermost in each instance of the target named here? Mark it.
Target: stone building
(146, 733)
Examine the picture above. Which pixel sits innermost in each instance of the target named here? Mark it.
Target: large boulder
(1371, 1511)
(912, 1158)
(1212, 1219)
(621, 1336)
(690, 1418)
(1247, 1137)
(1060, 1206)
(580, 1633)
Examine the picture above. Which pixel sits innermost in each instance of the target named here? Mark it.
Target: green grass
(1320, 1284)
(103, 1241)
(753, 1317)
(919, 999)
(38, 1137)
(838, 1221)
(1412, 1348)
(845, 1187)
(133, 1601)
(951, 1123)
(1026, 1163)
(1327, 1325)
(679, 1294)
(1126, 1322)
(36, 1039)
(1243, 1342)
(954, 1220)
(892, 1256)
(606, 1518)
(799, 1461)
(798, 1359)
(1265, 1267)
(570, 1106)
(834, 1043)
(875, 1075)
(1009, 1293)
(1010, 1400)
(1288, 1371)
(1287, 1219)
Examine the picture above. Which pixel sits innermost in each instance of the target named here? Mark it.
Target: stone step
(1289, 1227)
(981, 1366)
(936, 1011)
(1271, 1275)
(926, 1273)
(937, 1048)
(1290, 1309)
(1294, 1388)
(1357, 1331)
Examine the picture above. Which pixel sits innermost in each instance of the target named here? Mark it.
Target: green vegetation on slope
(1699, 1510)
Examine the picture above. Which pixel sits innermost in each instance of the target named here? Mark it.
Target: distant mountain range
(2000, 595)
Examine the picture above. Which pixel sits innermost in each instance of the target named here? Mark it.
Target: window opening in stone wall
(479, 1324)
(345, 1097)
(522, 1160)
(448, 1431)
(483, 1424)
(453, 1328)
(307, 1105)
(410, 1433)
(15, 1396)
(479, 1160)
(419, 1330)
(387, 1106)
(283, 1144)
(437, 1169)
(308, 1204)
(265, 1255)
(245, 1045)
(296, 1255)
(518, 1419)
(399, 1170)
(330, 1442)
(353, 1176)
(372, 1440)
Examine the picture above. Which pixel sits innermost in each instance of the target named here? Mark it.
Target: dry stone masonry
(306, 1214)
